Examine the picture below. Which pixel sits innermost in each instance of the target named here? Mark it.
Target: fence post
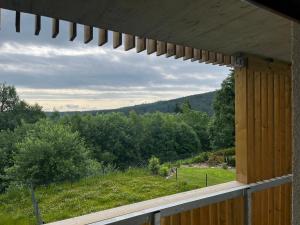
(36, 210)
(176, 174)
(206, 180)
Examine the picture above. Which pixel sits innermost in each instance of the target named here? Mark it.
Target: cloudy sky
(66, 76)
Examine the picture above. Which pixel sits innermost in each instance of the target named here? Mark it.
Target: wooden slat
(204, 215)
(170, 49)
(151, 46)
(88, 34)
(195, 216)
(140, 44)
(129, 42)
(196, 55)
(220, 59)
(103, 37)
(204, 56)
(161, 48)
(179, 51)
(72, 31)
(117, 39)
(212, 57)
(37, 28)
(188, 53)
(18, 21)
(55, 27)
(227, 60)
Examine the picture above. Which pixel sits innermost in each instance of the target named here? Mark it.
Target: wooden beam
(170, 50)
(72, 31)
(196, 55)
(18, 22)
(140, 44)
(37, 28)
(103, 37)
(88, 34)
(179, 51)
(204, 56)
(129, 42)
(188, 53)
(220, 59)
(117, 39)
(55, 27)
(151, 46)
(161, 48)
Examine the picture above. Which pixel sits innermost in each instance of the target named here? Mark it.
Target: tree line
(41, 150)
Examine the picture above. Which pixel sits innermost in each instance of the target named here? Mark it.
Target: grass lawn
(67, 200)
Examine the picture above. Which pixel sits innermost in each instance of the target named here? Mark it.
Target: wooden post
(296, 121)
(263, 134)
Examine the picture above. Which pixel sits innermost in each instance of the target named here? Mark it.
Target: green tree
(8, 97)
(49, 152)
(222, 125)
(13, 111)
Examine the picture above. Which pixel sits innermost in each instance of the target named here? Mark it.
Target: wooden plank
(117, 39)
(250, 88)
(196, 55)
(161, 48)
(179, 51)
(170, 49)
(140, 44)
(151, 46)
(212, 57)
(204, 216)
(37, 28)
(241, 124)
(175, 219)
(227, 60)
(188, 53)
(195, 216)
(213, 214)
(103, 37)
(220, 59)
(72, 31)
(185, 218)
(18, 21)
(129, 42)
(88, 34)
(204, 56)
(55, 27)
(223, 213)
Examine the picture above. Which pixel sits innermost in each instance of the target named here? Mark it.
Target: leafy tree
(49, 152)
(199, 122)
(222, 125)
(8, 98)
(13, 111)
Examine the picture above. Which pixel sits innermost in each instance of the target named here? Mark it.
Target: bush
(215, 160)
(224, 166)
(164, 171)
(231, 161)
(203, 157)
(153, 165)
(49, 152)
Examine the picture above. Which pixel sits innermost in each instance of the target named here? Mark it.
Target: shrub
(215, 160)
(224, 166)
(164, 171)
(153, 165)
(49, 152)
(231, 161)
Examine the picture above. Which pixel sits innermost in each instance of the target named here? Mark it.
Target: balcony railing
(162, 210)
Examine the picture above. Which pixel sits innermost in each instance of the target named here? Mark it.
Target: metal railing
(153, 215)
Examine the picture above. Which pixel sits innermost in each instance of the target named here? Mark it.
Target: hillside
(199, 102)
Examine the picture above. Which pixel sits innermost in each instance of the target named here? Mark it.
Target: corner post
(296, 121)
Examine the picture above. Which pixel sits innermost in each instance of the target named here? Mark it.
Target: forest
(40, 149)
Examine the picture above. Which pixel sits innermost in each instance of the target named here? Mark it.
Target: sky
(71, 76)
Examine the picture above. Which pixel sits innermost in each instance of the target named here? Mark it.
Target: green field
(93, 194)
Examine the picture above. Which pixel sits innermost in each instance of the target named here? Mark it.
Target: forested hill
(199, 102)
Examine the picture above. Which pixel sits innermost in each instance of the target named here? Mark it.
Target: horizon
(64, 76)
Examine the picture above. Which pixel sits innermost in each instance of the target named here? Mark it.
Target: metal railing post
(248, 206)
(156, 218)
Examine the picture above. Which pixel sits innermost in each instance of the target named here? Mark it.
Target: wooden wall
(263, 135)
(230, 212)
(263, 148)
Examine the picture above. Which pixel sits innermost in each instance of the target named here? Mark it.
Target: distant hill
(199, 102)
